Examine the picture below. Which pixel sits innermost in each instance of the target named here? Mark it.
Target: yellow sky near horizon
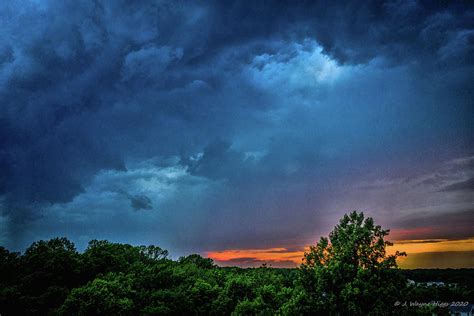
(435, 253)
(432, 245)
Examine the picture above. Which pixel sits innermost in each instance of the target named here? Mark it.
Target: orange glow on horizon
(270, 255)
(414, 248)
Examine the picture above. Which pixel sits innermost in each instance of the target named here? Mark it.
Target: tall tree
(350, 272)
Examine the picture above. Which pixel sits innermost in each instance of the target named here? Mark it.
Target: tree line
(348, 273)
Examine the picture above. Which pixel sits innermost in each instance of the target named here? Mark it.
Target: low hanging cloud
(138, 201)
(141, 202)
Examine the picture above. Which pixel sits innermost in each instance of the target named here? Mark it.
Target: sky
(239, 130)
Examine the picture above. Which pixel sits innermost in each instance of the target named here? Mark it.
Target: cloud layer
(217, 126)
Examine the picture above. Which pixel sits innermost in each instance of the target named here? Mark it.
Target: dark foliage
(348, 273)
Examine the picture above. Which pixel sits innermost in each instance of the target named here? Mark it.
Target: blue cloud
(260, 115)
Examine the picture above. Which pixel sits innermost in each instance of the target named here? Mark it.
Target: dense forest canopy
(348, 273)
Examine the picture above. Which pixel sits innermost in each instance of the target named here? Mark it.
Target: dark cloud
(137, 201)
(215, 157)
(427, 241)
(141, 202)
(273, 107)
(219, 161)
(455, 175)
(467, 185)
(357, 32)
(452, 225)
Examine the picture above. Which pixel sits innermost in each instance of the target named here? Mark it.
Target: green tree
(102, 256)
(109, 295)
(9, 285)
(48, 270)
(350, 272)
(204, 263)
(153, 252)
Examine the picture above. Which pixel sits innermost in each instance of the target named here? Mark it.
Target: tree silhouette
(350, 272)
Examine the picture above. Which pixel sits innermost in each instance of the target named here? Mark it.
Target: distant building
(432, 284)
(435, 284)
(467, 310)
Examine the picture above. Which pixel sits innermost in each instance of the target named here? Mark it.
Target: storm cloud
(231, 124)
